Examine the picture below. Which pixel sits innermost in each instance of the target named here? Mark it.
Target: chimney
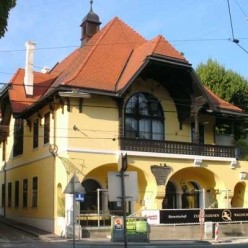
(29, 75)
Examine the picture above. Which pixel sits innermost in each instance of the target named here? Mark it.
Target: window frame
(9, 194)
(36, 133)
(35, 182)
(47, 128)
(25, 192)
(18, 137)
(17, 193)
(3, 194)
(138, 115)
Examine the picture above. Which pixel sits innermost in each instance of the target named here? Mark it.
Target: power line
(234, 40)
(241, 10)
(117, 43)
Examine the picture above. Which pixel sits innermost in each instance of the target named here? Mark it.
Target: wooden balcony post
(197, 104)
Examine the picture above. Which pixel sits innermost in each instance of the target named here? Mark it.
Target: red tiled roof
(106, 63)
(114, 50)
(157, 46)
(220, 103)
(99, 63)
(18, 98)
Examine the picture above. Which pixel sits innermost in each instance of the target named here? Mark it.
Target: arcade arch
(192, 188)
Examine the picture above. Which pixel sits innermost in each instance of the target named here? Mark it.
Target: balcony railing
(173, 147)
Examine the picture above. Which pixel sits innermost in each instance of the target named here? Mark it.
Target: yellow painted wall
(42, 169)
(92, 140)
(97, 124)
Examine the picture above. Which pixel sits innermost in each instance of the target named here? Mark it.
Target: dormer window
(144, 117)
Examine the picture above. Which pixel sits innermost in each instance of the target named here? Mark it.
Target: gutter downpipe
(54, 170)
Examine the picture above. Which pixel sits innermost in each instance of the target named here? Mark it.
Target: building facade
(117, 94)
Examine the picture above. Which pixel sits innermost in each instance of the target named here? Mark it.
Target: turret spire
(90, 25)
(91, 3)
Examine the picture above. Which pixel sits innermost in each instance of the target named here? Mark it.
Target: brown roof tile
(18, 98)
(220, 103)
(107, 62)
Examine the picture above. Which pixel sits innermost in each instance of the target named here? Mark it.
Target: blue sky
(199, 28)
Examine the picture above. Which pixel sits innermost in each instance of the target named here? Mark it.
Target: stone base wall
(193, 232)
(185, 232)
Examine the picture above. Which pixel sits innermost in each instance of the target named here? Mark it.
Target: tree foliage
(5, 7)
(228, 85)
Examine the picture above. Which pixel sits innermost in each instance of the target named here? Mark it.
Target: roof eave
(123, 90)
(170, 60)
(43, 100)
(231, 112)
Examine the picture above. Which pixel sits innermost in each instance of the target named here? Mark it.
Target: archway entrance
(190, 195)
(238, 197)
(192, 187)
(170, 200)
(90, 201)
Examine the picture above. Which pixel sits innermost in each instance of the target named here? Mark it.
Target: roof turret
(90, 25)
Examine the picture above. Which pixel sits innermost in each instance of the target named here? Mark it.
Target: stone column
(160, 196)
(161, 173)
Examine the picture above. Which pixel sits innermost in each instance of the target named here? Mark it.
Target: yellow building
(117, 94)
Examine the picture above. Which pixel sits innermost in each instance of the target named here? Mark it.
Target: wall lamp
(197, 162)
(243, 175)
(233, 164)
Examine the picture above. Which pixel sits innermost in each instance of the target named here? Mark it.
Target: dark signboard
(177, 216)
(137, 229)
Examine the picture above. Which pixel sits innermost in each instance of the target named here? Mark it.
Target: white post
(98, 207)
(204, 198)
(69, 213)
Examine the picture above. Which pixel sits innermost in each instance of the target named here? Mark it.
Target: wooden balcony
(173, 147)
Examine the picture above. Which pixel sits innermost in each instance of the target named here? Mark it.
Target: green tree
(227, 84)
(5, 7)
(231, 87)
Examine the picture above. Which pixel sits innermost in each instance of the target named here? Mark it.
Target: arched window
(144, 118)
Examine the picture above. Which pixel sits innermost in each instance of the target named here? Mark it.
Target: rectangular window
(46, 128)
(18, 138)
(25, 193)
(36, 133)
(35, 192)
(16, 193)
(4, 150)
(3, 195)
(9, 194)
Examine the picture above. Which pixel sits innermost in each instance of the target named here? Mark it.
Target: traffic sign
(74, 186)
(79, 197)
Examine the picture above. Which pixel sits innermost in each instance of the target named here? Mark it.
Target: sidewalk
(49, 237)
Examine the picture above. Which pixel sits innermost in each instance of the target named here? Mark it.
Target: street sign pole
(74, 187)
(73, 210)
(122, 172)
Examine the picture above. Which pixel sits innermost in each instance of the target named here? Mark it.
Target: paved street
(15, 238)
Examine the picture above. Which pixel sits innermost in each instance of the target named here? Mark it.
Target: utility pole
(122, 174)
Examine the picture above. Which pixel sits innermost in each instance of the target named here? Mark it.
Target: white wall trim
(152, 154)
